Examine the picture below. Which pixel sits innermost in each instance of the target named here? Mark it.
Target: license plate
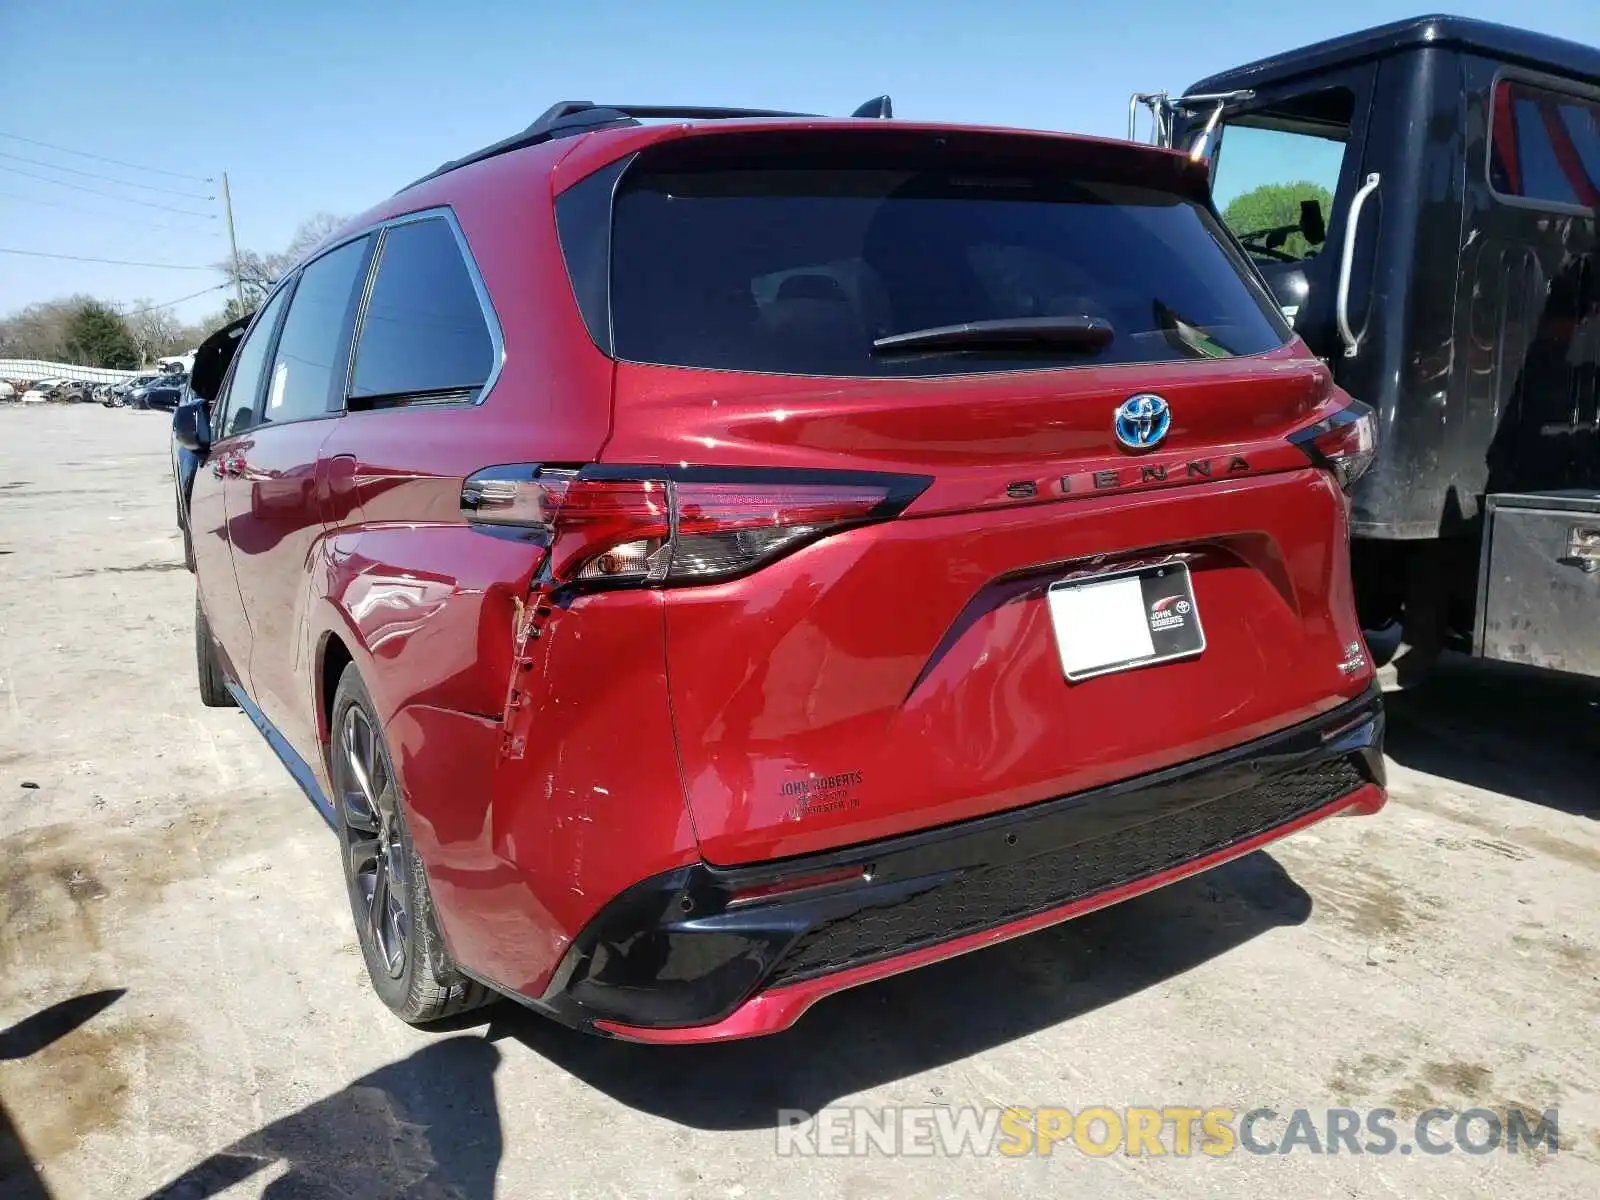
(1125, 619)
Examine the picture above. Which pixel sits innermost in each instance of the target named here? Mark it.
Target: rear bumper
(706, 953)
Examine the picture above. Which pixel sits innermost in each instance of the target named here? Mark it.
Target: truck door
(1288, 170)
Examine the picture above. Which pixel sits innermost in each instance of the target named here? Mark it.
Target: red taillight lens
(609, 531)
(1344, 444)
(724, 528)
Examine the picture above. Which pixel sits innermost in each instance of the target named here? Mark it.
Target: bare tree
(155, 331)
(257, 272)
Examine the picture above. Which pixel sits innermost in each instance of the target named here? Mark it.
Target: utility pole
(233, 243)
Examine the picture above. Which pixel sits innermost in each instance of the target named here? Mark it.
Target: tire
(388, 889)
(213, 684)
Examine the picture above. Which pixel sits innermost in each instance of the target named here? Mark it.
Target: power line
(111, 216)
(116, 262)
(216, 287)
(110, 195)
(116, 162)
(149, 187)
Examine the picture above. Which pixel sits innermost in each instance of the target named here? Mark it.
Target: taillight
(1343, 444)
(608, 527)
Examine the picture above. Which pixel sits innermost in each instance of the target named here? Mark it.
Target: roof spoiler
(568, 118)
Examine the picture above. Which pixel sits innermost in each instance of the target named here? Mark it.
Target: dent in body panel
(436, 630)
(490, 912)
(931, 722)
(521, 852)
(595, 802)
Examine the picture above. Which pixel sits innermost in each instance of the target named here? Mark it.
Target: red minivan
(698, 565)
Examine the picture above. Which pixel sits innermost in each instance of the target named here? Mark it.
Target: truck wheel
(388, 888)
(213, 685)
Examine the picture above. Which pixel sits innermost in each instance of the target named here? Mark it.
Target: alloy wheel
(376, 862)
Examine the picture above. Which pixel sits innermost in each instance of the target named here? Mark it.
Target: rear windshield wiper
(1005, 333)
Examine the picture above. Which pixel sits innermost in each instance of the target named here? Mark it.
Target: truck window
(1546, 145)
(1270, 162)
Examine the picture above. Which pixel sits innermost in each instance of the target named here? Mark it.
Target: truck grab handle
(1347, 261)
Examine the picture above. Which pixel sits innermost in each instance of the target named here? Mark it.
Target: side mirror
(1312, 225)
(191, 426)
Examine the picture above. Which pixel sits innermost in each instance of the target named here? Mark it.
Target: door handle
(1347, 262)
(227, 464)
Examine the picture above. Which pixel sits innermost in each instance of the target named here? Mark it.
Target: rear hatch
(971, 371)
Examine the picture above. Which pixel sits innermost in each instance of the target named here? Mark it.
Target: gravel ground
(183, 1010)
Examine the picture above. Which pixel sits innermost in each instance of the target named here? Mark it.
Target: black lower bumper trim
(687, 947)
(995, 895)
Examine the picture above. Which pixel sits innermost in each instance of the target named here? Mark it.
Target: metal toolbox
(1539, 580)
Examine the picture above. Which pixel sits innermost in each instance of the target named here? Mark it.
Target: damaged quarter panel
(594, 803)
(520, 851)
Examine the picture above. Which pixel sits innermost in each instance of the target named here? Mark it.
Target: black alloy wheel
(388, 889)
(375, 855)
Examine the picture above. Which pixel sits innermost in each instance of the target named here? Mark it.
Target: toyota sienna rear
(753, 555)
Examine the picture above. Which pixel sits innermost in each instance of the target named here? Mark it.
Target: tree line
(91, 332)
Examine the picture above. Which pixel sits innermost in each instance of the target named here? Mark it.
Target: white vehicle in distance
(40, 391)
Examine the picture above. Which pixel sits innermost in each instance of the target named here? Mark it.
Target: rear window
(770, 267)
(1545, 146)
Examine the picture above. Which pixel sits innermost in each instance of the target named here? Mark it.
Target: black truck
(1422, 199)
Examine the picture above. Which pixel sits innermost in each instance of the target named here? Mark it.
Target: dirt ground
(183, 1010)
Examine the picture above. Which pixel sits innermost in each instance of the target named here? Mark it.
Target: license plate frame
(1167, 606)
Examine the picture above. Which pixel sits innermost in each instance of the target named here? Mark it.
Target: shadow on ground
(425, 1127)
(926, 1018)
(1520, 732)
(428, 1125)
(19, 1179)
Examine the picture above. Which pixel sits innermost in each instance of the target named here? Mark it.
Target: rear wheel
(213, 684)
(388, 889)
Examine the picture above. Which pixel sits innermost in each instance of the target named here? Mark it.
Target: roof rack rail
(567, 118)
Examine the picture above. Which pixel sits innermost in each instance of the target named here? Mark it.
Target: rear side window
(424, 334)
(239, 407)
(797, 269)
(1546, 145)
(308, 373)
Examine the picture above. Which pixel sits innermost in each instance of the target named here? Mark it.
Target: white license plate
(1125, 619)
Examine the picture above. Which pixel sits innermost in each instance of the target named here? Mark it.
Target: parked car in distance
(700, 567)
(41, 390)
(161, 396)
(120, 391)
(138, 397)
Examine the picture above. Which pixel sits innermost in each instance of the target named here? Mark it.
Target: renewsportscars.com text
(1172, 1130)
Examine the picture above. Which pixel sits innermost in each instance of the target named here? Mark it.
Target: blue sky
(332, 104)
